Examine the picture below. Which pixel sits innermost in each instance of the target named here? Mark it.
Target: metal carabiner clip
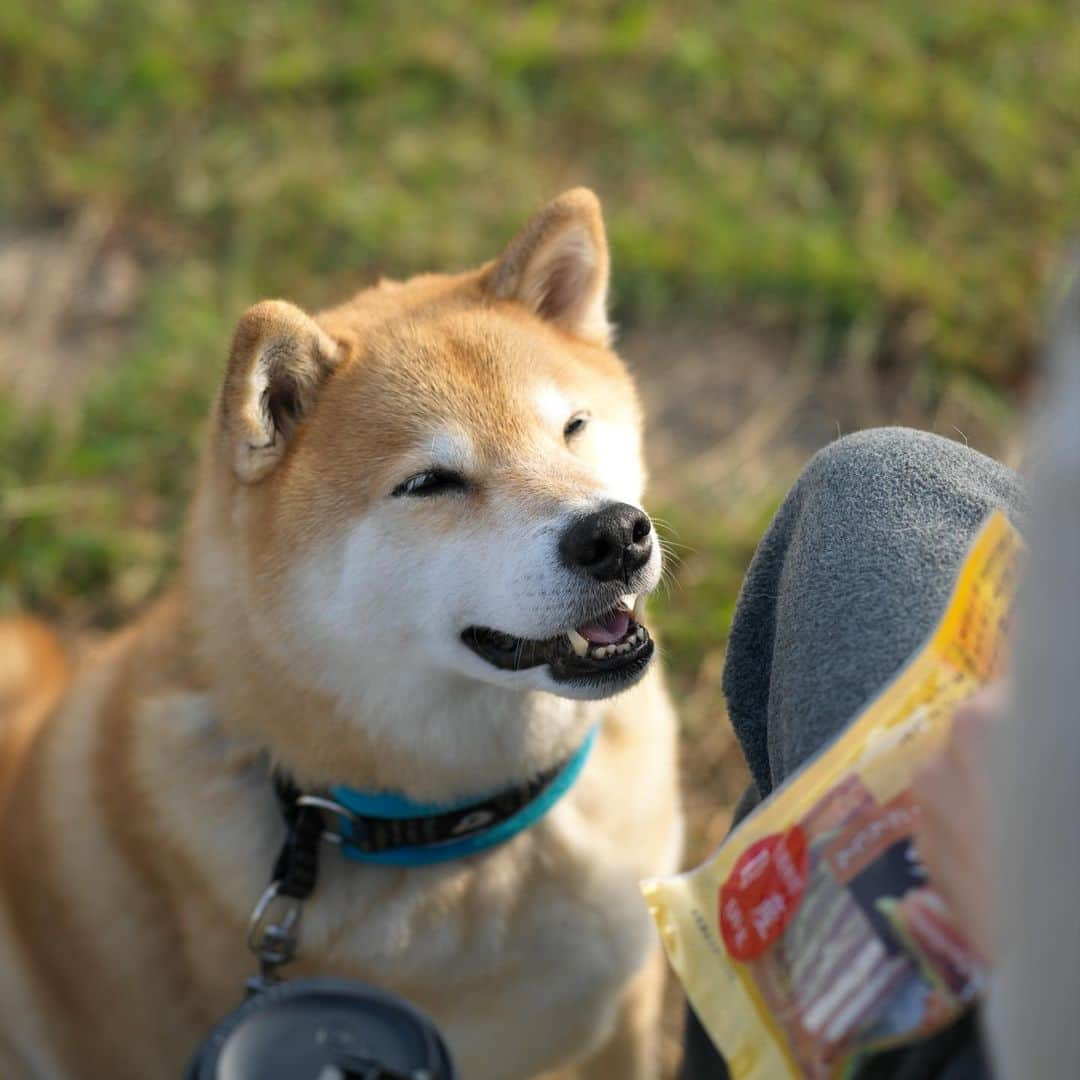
(274, 940)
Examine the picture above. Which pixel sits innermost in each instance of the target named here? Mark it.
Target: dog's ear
(280, 358)
(557, 266)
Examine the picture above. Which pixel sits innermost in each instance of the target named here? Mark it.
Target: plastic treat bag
(813, 935)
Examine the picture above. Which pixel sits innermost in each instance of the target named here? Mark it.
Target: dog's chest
(520, 959)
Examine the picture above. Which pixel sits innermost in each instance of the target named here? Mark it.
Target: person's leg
(849, 580)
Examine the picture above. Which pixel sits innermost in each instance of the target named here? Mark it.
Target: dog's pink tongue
(606, 631)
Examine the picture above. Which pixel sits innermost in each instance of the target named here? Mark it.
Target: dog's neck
(440, 737)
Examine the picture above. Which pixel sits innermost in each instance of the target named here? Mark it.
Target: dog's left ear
(557, 266)
(280, 358)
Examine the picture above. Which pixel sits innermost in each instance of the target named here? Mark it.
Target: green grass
(911, 166)
(909, 177)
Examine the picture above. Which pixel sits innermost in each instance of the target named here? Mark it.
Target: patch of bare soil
(728, 403)
(68, 293)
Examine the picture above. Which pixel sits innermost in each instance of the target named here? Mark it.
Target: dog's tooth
(628, 600)
(579, 644)
(639, 608)
(603, 652)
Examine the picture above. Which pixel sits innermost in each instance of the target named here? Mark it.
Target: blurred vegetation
(914, 165)
(909, 176)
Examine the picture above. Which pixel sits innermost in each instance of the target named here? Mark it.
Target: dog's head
(444, 476)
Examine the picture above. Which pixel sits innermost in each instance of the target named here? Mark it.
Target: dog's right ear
(279, 360)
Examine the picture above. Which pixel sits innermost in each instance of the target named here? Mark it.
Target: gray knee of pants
(849, 579)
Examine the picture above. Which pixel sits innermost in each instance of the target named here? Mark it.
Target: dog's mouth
(613, 646)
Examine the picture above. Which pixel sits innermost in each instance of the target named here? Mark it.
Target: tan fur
(139, 825)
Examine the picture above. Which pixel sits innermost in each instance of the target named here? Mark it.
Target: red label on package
(762, 892)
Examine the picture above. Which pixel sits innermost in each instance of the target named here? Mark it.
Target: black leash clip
(273, 934)
(274, 927)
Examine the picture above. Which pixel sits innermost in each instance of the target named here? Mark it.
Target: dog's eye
(575, 425)
(432, 482)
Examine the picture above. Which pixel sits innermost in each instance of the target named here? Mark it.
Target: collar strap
(393, 830)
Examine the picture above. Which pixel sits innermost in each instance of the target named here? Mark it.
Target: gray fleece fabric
(849, 580)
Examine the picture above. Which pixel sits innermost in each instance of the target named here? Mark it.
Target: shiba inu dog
(416, 563)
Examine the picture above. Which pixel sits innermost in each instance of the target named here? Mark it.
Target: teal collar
(392, 830)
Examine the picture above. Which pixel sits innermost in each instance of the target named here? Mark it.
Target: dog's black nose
(608, 544)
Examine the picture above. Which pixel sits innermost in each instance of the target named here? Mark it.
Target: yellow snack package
(813, 935)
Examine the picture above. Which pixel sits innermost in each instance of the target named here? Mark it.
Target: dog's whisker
(669, 581)
(675, 552)
(672, 541)
(663, 521)
(672, 560)
(666, 529)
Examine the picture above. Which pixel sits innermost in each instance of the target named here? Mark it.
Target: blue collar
(392, 830)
